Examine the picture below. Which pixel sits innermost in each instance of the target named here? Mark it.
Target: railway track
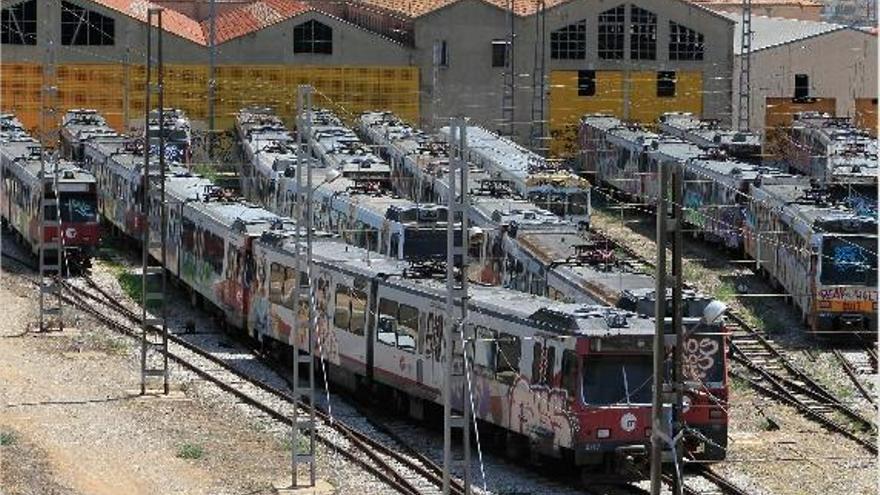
(766, 369)
(853, 371)
(406, 474)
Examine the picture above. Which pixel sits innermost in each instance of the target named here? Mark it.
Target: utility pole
(456, 417)
(303, 421)
(661, 433)
(745, 68)
(508, 91)
(50, 196)
(212, 81)
(150, 272)
(538, 138)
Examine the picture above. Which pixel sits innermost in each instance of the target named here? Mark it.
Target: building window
(18, 25)
(570, 42)
(500, 53)
(666, 84)
(642, 34)
(85, 27)
(684, 43)
(801, 86)
(586, 83)
(313, 37)
(441, 54)
(611, 26)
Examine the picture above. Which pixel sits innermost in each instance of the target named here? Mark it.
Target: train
(80, 125)
(176, 128)
(803, 234)
(710, 134)
(21, 192)
(832, 150)
(566, 380)
(546, 184)
(624, 159)
(350, 191)
(517, 244)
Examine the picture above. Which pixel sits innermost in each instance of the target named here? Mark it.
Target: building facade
(426, 61)
(804, 65)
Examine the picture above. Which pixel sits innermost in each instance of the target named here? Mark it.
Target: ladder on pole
(745, 68)
(51, 236)
(538, 136)
(303, 421)
(508, 91)
(154, 222)
(457, 416)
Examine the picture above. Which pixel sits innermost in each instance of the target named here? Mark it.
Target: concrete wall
(840, 65)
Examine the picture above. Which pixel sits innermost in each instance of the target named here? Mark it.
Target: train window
(849, 260)
(485, 348)
(569, 372)
(214, 249)
(276, 282)
(342, 314)
(386, 332)
(549, 368)
(358, 311)
(407, 328)
(617, 379)
(287, 288)
(187, 238)
(537, 358)
(508, 357)
(51, 213)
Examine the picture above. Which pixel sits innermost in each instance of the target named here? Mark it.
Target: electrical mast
(537, 136)
(508, 91)
(153, 282)
(456, 416)
(745, 68)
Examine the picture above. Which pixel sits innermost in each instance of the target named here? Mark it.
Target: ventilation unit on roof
(553, 318)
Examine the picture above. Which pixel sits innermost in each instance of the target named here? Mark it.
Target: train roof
(812, 208)
(11, 127)
(851, 152)
(23, 155)
(340, 148)
(87, 124)
(566, 319)
(523, 214)
(709, 133)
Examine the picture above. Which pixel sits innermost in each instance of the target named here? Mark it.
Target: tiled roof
(172, 21)
(768, 32)
(252, 17)
(418, 8)
(755, 3)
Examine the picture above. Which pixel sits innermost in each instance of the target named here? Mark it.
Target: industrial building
(808, 65)
(422, 60)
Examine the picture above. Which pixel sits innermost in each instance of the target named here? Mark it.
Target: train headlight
(603, 433)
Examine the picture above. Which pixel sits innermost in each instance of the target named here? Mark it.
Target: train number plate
(850, 306)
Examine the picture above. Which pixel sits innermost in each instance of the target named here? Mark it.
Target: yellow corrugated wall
(117, 90)
(567, 108)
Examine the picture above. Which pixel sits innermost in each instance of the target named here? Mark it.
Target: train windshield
(578, 203)
(79, 208)
(849, 260)
(617, 379)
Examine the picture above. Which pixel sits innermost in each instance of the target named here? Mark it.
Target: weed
(105, 343)
(207, 171)
(190, 451)
(725, 292)
(302, 443)
(132, 284)
(6, 438)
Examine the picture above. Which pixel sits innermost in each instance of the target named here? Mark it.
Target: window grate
(313, 37)
(642, 34)
(685, 43)
(569, 42)
(611, 29)
(18, 24)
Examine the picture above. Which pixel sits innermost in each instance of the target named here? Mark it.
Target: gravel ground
(800, 458)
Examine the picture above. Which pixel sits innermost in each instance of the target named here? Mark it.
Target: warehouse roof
(252, 17)
(768, 32)
(418, 8)
(172, 21)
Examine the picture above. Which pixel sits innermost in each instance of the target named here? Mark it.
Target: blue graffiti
(849, 258)
(863, 205)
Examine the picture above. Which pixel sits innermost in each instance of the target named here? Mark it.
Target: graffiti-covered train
(566, 380)
(350, 186)
(21, 193)
(815, 240)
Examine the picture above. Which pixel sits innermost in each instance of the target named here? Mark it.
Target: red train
(20, 190)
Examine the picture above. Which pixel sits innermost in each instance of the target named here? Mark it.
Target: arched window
(313, 37)
(569, 42)
(684, 43)
(642, 34)
(18, 25)
(85, 27)
(611, 29)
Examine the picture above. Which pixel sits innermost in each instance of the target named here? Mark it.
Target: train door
(349, 300)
